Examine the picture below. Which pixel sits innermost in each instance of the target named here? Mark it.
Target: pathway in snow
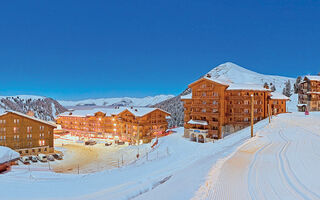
(281, 162)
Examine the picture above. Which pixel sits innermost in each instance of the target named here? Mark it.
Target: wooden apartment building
(216, 108)
(26, 134)
(309, 94)
(131, 124)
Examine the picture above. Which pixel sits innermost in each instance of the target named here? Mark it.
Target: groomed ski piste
(280, 162)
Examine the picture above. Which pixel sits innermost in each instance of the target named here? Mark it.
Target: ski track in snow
(281, 162)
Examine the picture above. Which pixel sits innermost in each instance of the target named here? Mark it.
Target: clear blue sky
(80, 49)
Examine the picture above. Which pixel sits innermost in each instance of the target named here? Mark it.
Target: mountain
(43, 107)
(232, 73)
(124, 101)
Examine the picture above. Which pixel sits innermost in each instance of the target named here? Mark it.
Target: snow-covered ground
(282, 160)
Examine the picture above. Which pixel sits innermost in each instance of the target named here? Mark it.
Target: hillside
(43, 107)
(233, 73)
(121, 101)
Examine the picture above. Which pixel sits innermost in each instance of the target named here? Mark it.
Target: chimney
(30, 113)
(208, 75)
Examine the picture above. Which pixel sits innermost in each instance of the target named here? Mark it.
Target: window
(29, 129)
(204, 110)
(41, 142)
(15, 129)
(214, 102)
(41, 128)
(16, 121)
(204, 94)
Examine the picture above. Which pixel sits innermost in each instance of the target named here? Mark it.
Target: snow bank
(7, 154)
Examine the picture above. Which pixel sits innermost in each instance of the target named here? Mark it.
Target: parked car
(25, 160)
(90, 142)
(108, 143)
(33, 158)
(50, 158)
(42, 158)
(120, 142)
(57, 156)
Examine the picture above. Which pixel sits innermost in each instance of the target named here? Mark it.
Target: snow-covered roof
(313, 78)
(7, 155)
(277, 95)
(188, 96)
(139, 112)
(220, 81)
(252, 87)
(90, 112)
(29, 117)
(313, 92)
(199, 122)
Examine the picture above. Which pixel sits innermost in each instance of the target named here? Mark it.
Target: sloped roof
(277, 95)
(199, 122)
(313, 78)
(139, 112)
(250, 87)
(7, 155)
(90, 112)
(29, 117)
(188, 96)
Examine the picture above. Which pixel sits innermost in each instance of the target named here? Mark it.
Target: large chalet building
(25, 133)
(130, 124)
(309, 94)
(216, 107)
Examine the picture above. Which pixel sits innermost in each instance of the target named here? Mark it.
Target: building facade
(26, 134)
(130, 124)
(309, 94)
(216, 108)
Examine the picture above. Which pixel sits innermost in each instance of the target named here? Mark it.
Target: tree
(287, 89)
(273, 88)
(296, 85)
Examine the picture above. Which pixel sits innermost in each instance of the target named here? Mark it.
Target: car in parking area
(108, 143)
(33, 158)
(90, 142)
(25, 160)
(57, 156)
(42, 158)
(50, 157)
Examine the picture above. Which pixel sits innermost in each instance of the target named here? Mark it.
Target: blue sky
(89, 49)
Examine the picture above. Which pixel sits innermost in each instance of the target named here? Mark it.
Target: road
(281, 162)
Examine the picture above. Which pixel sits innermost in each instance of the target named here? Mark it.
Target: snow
(236, 74)
(313, 78)
(7, 154)
(243, 86)
(277, 95)
(188, 96)
(122, 101)
(199, 122)
(137, 111)
(281, 162)
(165, 163)
(29, 117)
(91, 112)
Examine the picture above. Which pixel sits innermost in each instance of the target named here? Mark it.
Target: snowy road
(281, 162)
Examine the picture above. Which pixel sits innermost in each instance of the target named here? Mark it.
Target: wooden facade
(309, 94)
(26, 134)
(138, 127)
(130, 124)
(216, 108)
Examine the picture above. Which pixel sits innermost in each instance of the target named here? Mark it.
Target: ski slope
(281, 162)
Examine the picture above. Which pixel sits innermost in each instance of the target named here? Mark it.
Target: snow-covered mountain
(43, 107)
(232, 73)
(124, 101)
